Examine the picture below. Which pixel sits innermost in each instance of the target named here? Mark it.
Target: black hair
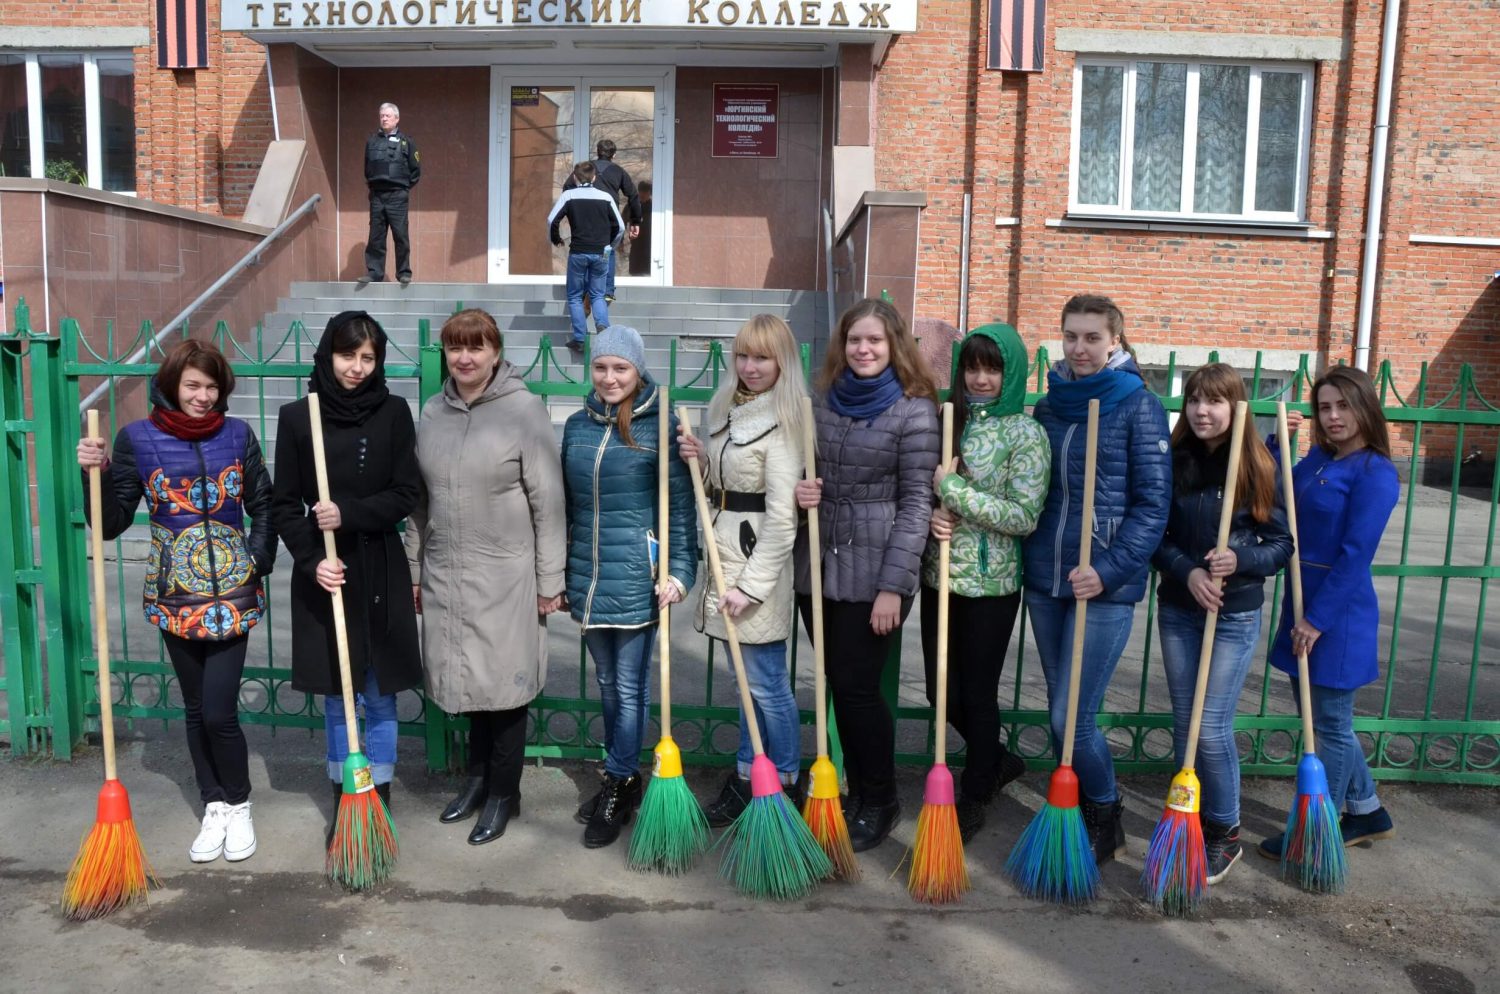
(977, 352)
(350, 335)
(605, 149)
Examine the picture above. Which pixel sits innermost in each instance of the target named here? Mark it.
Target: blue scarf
(1069, 399)
(864, 399)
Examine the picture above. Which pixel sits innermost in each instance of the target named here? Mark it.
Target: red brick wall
(945, 126)
(200, 134)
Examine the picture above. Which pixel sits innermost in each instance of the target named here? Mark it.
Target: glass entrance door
(544, 126)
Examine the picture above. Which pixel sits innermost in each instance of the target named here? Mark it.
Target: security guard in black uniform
(392, 167)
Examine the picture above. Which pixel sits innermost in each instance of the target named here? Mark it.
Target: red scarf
(189, 429)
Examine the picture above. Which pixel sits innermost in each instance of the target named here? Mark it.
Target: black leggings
(209, 675)
(497, 748)
(855, 658)
(979, 631)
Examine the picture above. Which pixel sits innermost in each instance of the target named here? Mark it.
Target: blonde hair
(766, 334)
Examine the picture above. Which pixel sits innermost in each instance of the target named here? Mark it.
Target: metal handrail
(250, 258)
(831, 303)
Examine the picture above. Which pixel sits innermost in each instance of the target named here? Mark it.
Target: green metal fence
(1435, 716)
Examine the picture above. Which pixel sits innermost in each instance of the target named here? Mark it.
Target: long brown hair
(1255, 489)
(1358, 391)
(911, 366)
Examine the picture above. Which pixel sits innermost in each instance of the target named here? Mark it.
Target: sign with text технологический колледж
(273, 16)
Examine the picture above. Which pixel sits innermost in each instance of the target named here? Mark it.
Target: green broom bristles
(671, 830)
(770, 852)
(364, 847)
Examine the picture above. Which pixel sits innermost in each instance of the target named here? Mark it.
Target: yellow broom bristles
(938, 874)
(110, 872)
(825, 818)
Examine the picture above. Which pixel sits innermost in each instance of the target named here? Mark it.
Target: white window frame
(1190, 120)
(94, 140)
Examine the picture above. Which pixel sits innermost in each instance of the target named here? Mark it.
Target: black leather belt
(736, 500)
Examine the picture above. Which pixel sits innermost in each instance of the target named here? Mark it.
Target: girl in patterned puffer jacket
(989, 499)
(201, 474)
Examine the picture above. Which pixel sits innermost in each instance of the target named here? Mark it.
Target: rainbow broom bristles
(1312, 850)
(1053, 859)
(1175, 874)
(823, 810)
(110, 870)
(670, 829)
(938, 874)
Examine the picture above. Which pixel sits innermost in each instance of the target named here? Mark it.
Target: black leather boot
(733, 799)
(469, 800)
(384, 790)
(796, 791)
(1105, 827)
(621, 796)
(497, 813)
(873, 824)
(586, 809)
(333, 819)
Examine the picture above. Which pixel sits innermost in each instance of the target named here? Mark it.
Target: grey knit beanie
(625, 342)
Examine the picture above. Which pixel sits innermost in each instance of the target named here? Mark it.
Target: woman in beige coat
(486, 545)
(754, 459)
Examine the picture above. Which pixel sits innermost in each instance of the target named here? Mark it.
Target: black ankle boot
(873, 823)
(733, 799)
(621, 796)
(970, 818)
(796, 791)
(469, 800)
(586, 809)
(384, 790)
(497, 813)
(1105, 827)
(333, 819)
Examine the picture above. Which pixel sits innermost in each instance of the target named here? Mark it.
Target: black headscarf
(348, 407)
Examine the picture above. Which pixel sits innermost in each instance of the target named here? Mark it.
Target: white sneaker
(210, 841)
(239, 836)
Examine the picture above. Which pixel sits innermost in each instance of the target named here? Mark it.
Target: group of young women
(503, 530)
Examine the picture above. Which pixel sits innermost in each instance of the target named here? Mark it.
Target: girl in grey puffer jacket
(877, 432)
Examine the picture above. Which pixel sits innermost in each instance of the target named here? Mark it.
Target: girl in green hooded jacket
(989, 497)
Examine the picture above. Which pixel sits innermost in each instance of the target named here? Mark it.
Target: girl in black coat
(373, 482)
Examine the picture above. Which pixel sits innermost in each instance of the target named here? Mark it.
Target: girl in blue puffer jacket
(1132, 496)
(609, 454)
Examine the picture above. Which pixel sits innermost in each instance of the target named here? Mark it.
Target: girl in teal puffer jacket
(989, 499)
(609, 456)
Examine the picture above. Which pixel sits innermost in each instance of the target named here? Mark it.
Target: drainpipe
(1374, 211)
(271, 86)
(963, 267)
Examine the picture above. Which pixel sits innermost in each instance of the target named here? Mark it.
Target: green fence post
(25, 707)
(438, 733)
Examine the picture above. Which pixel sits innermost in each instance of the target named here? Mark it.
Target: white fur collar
(748, 421)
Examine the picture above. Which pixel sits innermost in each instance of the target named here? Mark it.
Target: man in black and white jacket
(594, 225)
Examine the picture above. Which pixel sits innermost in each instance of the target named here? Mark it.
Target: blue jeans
(380, 730)
(622, 658)
(1350, 786)
(586, 276)
(610, 258)
(775, 710)
(1107, 629)
(1218, 760)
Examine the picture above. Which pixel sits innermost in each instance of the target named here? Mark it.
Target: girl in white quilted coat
(752, 460)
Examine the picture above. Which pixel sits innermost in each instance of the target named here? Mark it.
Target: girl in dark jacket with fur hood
(1132, 492)
(878, 445)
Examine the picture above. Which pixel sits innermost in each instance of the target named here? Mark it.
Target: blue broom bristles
(1312, 850)
(770, 852)
(1174, 876)
(1052, 860)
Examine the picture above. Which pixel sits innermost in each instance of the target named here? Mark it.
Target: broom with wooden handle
(671, 830)
(364, 846)
(823, 811)
(1052, 859)
(110, 870)
(938, 874)
(769, 850)
(1175, 875)
(1312, 849)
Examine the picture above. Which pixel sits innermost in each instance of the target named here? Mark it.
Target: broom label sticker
(1183, 797)
(363, 780)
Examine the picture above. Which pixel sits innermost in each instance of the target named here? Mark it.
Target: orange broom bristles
(111, 870)
(938, 874)
(825, 817)
(365, 844)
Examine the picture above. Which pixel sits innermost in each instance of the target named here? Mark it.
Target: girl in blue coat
(1191, 569)
(1346, 488)
(609, 454)
(1132, 494)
